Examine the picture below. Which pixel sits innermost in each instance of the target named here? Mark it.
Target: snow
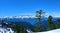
(51, 31)
(29, 31)
(25, 16)
(8, 30)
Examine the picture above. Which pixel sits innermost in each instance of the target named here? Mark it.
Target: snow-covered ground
(51, 31)
(8, 30)
(29, 31)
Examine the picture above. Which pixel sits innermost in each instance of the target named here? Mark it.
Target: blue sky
(29, 7)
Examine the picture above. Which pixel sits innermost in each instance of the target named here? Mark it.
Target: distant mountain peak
(18, 17)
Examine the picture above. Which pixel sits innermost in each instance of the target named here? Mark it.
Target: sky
(29, 7)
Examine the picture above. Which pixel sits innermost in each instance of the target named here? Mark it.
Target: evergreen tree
(51, 24)
(39, 14)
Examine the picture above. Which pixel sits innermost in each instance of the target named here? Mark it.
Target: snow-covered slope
(8, 30)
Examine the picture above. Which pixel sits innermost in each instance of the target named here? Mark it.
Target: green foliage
(19, 29)
(36, 29)
(48, 28)
(50, 19)
(51, 24)
(23, 31)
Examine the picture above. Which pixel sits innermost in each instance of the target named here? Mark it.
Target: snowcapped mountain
(17, 17)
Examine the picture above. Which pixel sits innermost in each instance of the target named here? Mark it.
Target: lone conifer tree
(51, 24)
(39, 15)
